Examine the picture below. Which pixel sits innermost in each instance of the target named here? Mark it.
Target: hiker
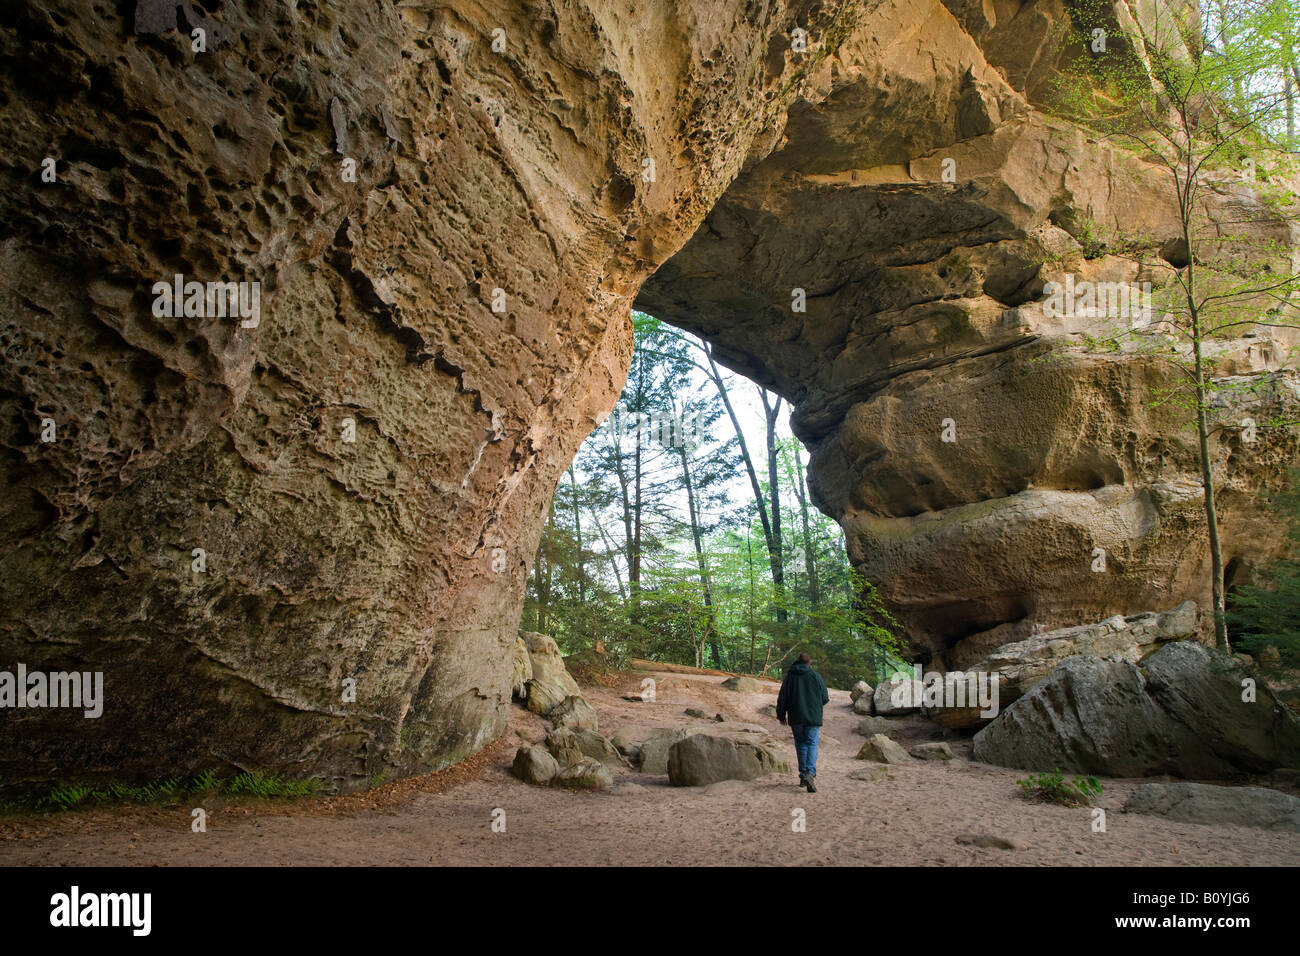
(803, 692)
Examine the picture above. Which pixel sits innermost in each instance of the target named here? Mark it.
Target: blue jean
(805, 747)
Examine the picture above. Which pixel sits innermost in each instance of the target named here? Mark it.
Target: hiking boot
(810, 782)
(803, 779)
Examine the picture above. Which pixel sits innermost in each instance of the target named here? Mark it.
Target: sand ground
(914, 817)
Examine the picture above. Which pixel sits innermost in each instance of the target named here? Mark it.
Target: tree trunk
(697, 537)
(774, 489)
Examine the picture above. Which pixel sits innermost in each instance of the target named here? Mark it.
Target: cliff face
(449, 211)
(381, 170)
(979, 450)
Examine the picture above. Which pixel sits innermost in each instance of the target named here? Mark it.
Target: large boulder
(574, 713)
(1181, 712)
(550, 682)
(898, 696)
(859, 689)
(654, 749)
(864, 704)
(1021, 665)
(534, 765)
(702, 759)
(1207, 803)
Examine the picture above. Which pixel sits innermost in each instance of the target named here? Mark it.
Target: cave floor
(913, 817)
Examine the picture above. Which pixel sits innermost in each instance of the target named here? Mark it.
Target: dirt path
(912, 817)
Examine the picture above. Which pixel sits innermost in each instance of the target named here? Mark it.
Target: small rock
(872, 774)
(563, 745)
(881, 749)
(858, 689)
(697, 713)
(574, 713)
(876, 725)
(586, 774)
(622, 741)
(743, 685)
(768, 711)
(939, 751)
(534, 765)
(987, 841)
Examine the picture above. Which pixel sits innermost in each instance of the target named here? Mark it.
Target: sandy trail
(911, 818)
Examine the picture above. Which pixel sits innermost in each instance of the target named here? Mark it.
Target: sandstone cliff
(300, 545)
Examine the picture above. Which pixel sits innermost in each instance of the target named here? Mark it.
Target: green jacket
(803, 692)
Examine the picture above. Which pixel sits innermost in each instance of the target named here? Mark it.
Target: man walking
(803, 692)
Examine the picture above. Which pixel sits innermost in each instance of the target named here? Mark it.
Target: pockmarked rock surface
(1214, 805)
(1187, 710)
(296, 539)
(446, 239)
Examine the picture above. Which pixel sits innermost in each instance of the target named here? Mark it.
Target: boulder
(593, 745)
(897, 696)
(586, 774)
(881, 749)
(864, 705)
(744, 685)
(702, 759)
(654, 749)
(768, 710)
(575, 713)
(858, 689)
(534, 765)
(869, 726)
(1207, 803)
(1021, 665)
(550, 682)
(521, 670)
(623, 742)
(935, 751)
(563, 746)
(873, 773)
(1178, 712)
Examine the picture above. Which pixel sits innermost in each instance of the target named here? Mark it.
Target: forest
(685, 532)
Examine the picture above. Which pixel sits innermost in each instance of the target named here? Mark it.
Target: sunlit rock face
(298, 540)
(980, 452)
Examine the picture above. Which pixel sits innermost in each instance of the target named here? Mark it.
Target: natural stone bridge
(451, 210)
